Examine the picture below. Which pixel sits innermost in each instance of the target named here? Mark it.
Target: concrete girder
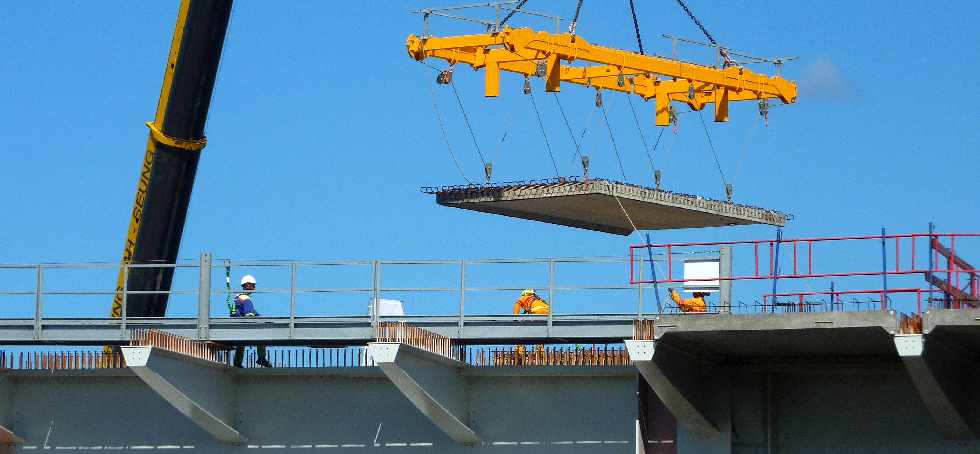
(7, 436)
(938, 374)
(202, 391)
(675, 382)
(433, 383)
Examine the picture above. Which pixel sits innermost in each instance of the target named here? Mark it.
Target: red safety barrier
(899, 255)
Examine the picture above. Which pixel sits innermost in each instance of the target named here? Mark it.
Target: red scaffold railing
(849, 260)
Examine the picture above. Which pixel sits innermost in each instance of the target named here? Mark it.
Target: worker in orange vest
(531, 303)
(695, 304)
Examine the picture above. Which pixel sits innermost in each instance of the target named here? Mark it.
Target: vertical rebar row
(417, 337)
(643, 329)
(208, 351)
(541, 355)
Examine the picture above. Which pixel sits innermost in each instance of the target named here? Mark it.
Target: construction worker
(531, 303)
(244, 308)
(695, 304)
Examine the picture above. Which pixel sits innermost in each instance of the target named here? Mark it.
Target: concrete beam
(938, 379)
(433, 383)
(676, 382)
(202, 391)
(7, 436)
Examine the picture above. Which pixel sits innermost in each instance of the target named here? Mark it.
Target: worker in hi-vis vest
(531, 303)
(243, 308)
(695, 304)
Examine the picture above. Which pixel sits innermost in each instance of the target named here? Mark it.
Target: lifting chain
(598, 98)
(509, 15)
(571, 26)
(636, 27)
(721, 50)
(764, 111)
(673, 119)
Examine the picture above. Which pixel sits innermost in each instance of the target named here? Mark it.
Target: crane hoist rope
(445, 136)
(544, 134)
(619, 159)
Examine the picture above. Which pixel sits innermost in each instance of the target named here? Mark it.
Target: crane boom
(531, 53)
(175, 142)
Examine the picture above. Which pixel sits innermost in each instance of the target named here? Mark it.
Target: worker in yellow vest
(531, 303)
(695, 304)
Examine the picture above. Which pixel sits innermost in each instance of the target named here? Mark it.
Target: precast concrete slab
(772, 335)
(603, 205)
(959, 326)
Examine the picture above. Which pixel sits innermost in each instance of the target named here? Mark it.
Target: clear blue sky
(321, 128)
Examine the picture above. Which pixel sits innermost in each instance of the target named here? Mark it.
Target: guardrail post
(292, 300)
(375, 293)
(204, 298)
(38, 291)
(725, 286)
(125, 290)
(462, 295)
(639, 289)
(551, 293)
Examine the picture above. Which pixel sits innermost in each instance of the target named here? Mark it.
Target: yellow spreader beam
(525, 51)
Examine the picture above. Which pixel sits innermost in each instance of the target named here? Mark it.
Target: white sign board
(707, 269)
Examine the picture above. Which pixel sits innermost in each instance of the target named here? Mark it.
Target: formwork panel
(602, 205)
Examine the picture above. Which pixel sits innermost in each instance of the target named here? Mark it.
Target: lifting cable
(578, 146)
(711, 145)
(466, 118)
(643, 139)
(445, 136)
(615, 147)
(547, 144)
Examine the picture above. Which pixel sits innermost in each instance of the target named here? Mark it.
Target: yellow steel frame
(521, 50)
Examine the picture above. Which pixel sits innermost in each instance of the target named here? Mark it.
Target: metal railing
(480, 289)
(921, 263)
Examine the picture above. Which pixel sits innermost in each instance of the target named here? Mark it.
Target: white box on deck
(702, 269)
(387, 308)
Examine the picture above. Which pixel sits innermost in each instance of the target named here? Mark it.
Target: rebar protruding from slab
(910, 324)
(208, 351)
(644, 330)
(65, 360)
(542, 355)
(404, 333)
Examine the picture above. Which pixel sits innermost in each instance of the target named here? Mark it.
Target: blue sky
(321, 128)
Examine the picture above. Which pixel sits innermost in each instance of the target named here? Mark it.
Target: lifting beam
(541, 54)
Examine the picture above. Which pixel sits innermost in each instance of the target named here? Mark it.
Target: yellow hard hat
(527, 291)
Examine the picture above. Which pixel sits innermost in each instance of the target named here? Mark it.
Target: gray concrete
(600, 205)
(7, 436)
(432, 383)
(942, 373)
(200, 390)
(676, 380)
(328, 410)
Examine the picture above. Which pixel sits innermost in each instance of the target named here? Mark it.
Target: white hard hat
(248, 279)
